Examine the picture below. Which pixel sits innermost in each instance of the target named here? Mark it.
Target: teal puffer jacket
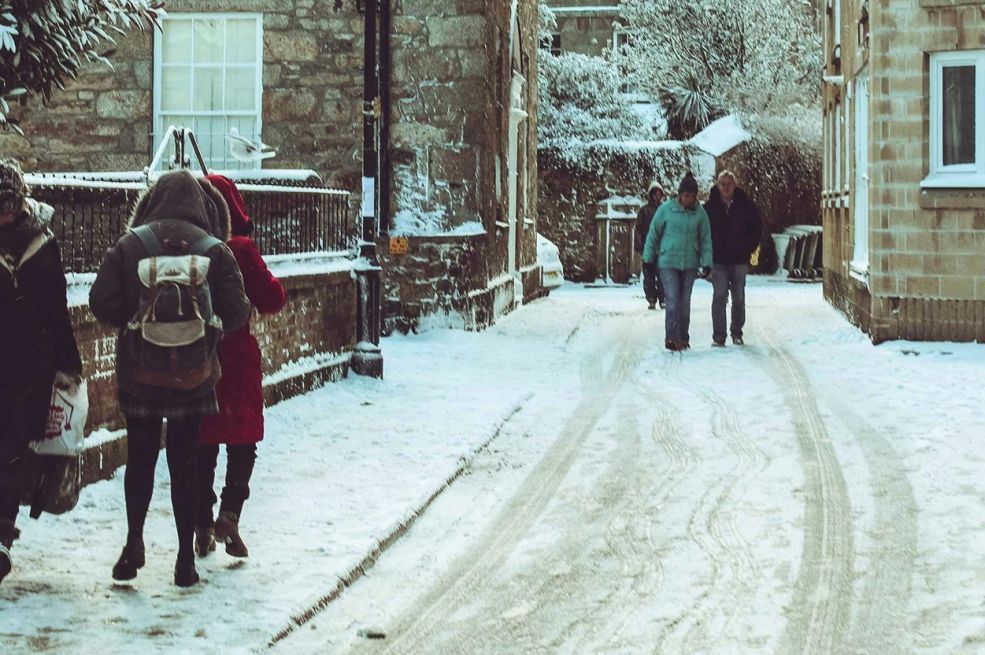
(678, 237)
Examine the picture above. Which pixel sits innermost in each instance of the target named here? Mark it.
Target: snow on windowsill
(859, 271)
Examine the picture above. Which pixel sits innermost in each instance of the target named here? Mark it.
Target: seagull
(244, 150)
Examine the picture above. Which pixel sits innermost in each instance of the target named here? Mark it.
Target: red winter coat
(240, 389)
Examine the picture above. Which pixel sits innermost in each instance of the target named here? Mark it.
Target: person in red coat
(239, 423)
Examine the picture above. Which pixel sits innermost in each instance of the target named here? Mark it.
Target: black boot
(131, 560)
(227, 531)
(185, 574)
(7, 535)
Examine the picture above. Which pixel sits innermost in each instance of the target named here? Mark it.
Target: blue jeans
(726, 278)
(677, 285)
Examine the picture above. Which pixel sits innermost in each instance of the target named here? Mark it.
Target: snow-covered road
(786, 497)
(805, 494)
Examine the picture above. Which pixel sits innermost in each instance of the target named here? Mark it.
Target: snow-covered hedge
(781, 166)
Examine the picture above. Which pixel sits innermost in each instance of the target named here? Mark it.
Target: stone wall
(450, 113)
(926, 270)
(450, 133)
(312, 97)
(297, 346)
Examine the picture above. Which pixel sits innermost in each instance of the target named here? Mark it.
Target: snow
(317, 263)
(135, 180)
(282, 266)
(721, 135)
(414, 222)
(345, 465)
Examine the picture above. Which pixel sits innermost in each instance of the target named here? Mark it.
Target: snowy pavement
(808, 493)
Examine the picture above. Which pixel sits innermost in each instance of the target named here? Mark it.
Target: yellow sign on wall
(399, 245)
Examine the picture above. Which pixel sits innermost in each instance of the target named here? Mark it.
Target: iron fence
(91, 214)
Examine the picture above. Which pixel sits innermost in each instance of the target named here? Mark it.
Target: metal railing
(92, 213)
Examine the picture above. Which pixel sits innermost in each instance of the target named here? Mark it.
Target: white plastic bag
(65, 429)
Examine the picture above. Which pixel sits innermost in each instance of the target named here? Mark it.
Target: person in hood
(652, 287)
(179, 210)
(37, 344)
(239, 423)
(736, 230)
(679, 243)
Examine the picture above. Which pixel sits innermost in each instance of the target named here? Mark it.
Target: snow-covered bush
(43, 44)
(580, 103)
(708, 57)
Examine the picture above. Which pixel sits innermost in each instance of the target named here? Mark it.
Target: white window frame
(257, 113)
(965, 176)
(862, 147)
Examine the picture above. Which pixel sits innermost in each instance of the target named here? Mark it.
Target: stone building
(587, 27)
(461, 153)
(904, 171)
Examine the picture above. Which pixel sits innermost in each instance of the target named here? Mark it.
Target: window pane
(209, 37)
(208, 89)
(177, 44)
(210, 132)
(959, 115)
(241, 89)
(241, 41)
(176, 88)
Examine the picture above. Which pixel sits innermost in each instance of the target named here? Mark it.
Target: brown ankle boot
(227, 532)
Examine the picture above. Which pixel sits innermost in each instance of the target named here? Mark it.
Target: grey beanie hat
(688, 184)
(13, 190)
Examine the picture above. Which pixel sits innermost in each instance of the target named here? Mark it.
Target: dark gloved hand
(704, 272)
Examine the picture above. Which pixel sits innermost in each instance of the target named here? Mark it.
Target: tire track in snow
(733, 565)
(880, 623)
(820, 615)
(413, 632)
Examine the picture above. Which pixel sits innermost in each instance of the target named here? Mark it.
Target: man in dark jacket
(736, 230)
(652, 287)
(37, 345)
(180, 210)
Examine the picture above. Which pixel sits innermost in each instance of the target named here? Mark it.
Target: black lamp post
(367, 359)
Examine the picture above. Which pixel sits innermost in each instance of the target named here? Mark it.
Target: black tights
(239, 469)
(143, 444)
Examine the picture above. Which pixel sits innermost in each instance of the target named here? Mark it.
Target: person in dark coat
(652, 286)
(736, 230)
(239, 423)
(179, 209)
(37, 344)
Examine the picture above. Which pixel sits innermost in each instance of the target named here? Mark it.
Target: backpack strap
(149, 239)
(203, 245)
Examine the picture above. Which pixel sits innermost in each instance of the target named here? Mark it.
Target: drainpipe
(386, 68)
(367, 359)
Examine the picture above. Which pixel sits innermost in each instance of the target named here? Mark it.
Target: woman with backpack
(239, 423)
(169, 285)
(37, 344)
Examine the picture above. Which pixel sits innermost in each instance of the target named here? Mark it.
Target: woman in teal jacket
(679, 241)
